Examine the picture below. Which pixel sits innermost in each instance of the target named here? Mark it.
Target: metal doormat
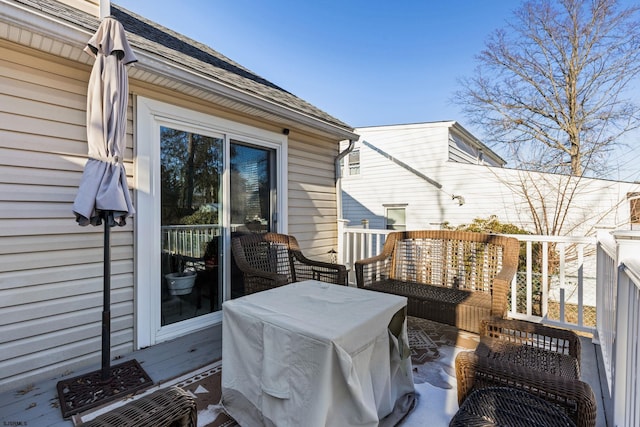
(89, 390)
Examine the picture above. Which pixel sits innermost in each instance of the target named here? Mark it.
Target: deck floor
(38, 407)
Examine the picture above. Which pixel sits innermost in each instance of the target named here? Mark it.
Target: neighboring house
(420, 176)
(262, 159)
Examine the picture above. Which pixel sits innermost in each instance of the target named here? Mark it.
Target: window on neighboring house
(634, 207)
(354, 162)
(396, 218)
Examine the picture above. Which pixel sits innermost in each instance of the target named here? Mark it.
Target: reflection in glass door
(253, 196)
(191, 167)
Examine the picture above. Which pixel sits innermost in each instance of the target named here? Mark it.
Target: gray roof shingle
(185, 52)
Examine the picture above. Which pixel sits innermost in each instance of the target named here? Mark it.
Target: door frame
(150, 115)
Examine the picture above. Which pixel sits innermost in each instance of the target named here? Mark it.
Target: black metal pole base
(88, 391)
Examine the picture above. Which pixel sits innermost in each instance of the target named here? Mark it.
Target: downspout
(341, 221)
(338, 176)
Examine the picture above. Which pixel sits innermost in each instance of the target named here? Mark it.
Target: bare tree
(552, 85)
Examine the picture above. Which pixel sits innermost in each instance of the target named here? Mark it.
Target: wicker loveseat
(268, 260)
(452, 277)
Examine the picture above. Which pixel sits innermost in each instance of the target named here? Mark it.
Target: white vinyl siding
(486, 190)
(51, 268)
(90, 6)
(312, 194)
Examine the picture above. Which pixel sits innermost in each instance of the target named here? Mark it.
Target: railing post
(342, 225)
(625, 370)
(529, 285)
(627, 244)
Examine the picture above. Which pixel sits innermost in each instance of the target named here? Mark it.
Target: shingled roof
(175, 48)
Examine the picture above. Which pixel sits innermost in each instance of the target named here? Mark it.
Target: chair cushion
(532, 357)
(433, 293)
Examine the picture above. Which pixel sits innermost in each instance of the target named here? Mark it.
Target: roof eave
(42, 31)
(233, 97)
(479, 144)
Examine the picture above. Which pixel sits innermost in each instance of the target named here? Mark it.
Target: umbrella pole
(106, 304)
(95, 388)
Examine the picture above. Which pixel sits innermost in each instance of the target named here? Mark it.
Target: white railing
(556, 281)
(607, 297)
(619, 322)
(359, 243)
(626, 382)
(188, 240)
(558, 290)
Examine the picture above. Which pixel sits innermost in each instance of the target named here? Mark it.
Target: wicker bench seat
(453, 277)
(444, 305)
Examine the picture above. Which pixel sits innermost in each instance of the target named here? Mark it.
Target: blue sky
(366, 62)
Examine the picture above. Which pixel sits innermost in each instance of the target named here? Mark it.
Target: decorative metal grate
(87, 391)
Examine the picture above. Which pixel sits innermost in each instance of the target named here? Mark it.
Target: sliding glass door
(253, 197)
(199, 181)
(191, 167)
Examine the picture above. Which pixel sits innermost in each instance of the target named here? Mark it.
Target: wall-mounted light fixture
(285, 131)
(460, 199)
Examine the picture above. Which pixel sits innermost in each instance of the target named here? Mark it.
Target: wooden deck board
(174, 358)
(162, 362)
(592, 372)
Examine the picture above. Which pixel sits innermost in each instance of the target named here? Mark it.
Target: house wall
(50, 268)
(312, 194)
(486, 190)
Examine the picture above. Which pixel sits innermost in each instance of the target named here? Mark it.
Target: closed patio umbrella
(103, 191)
(103, 198)
(103, 195)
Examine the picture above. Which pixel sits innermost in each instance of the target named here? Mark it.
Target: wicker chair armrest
(327, 272)
(314, 263)
(370, 269)
(380, 257)
(500, 289)
(529, 333)
(574, 396)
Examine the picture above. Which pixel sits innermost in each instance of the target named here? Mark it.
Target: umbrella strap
(116, 160)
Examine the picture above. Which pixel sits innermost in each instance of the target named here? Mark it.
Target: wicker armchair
(575, 397)
(268, 260)
(543, 348)
(171, 407)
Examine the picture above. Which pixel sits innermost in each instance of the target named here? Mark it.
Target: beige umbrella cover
(103, 188)
(103, 192)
